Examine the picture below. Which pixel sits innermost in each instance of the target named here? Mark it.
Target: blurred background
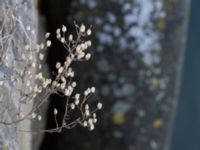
(186, 132)
(140, 69)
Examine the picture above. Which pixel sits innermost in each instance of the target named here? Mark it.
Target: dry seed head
(39, 117)
(47, 35)
(87, 56)
(77, 96)
(73, 84)
(82, 28)
(85, 123)
(58, 31)
(77, 101)
(41, 56)
(48, 43)
(99, 106)
(94, 120)
(92, 89)
(55, 111)
(64, 29)
(72, 106)
(42, 46)
(86, 107)
(62, 40)
(58, 65)
(60, 70)
(70, 37)
(89, 32)
(91, 127)
(87, 112)
(33, 115)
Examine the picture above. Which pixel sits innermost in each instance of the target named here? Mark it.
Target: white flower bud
(85, 123)
(47, 35)
(41, 56)
(67, 93)
(92, 89)
(94, 115)
(87, 56)
(73, 84)
(33, 115)
(62, 86)
(90, 121)
(49, 81)
(72, 106)
(63, 79)
(77, 96)
(89, 32)
(60, 70)
(82, 28)
(39, 117)
(64, 29)
(87, 92)
(94, 120)
(33, 64)
(62, 40)
(21, 115)
(42, 46)
(55, 111)
(99, 106)
(87, 112)
(58, 65)
(86, 107)
(58, 36)
(89, 43)
(91, 127)
(58, 31)
(70, 37)
(77, 101)
(48, 43)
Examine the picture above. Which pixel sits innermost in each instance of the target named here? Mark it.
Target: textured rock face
(15, 17)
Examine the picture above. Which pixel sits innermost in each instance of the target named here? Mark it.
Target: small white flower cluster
(63, 83)
(78, 48)
(92, 120)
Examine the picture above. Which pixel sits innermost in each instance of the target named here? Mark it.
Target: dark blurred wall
(138, 47)
(187, 123)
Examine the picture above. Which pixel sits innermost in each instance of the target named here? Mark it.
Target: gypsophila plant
(36, 88)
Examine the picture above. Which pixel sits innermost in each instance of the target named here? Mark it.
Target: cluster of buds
(91, 117)
(63, 82)
(90, 122)
(79, 46)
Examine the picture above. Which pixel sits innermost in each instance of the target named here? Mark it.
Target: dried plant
(34, 89)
